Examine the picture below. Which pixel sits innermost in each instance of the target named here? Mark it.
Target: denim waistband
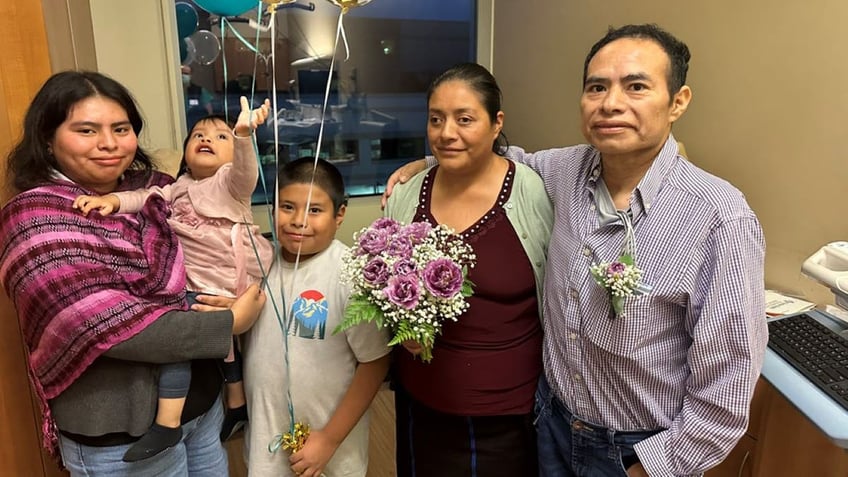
(585, 427)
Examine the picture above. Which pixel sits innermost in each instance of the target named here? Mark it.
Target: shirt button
(592, 207)
(572, 336)
(524, 235)
(574, 294)
(509, 206)
(587, 251)
(538, 264)
(577, 377)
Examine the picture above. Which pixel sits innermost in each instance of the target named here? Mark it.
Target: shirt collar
(648, 188)
(56, 175)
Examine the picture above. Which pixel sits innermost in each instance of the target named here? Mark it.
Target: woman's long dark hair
(30, 162)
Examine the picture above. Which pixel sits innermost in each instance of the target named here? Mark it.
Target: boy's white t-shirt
(321, 363)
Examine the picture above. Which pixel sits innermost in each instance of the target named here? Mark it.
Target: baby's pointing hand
(249, 120)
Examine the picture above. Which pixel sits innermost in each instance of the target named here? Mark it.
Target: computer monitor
(313, 83)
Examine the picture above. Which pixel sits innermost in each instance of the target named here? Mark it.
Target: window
(376, 117)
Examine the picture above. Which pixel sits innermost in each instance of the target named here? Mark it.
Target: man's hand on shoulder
(402, 174)
(212, 303)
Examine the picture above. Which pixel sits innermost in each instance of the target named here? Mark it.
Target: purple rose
(404, 267)
(400, 247)
(443, 278)
(416, 231)
(373, 241)
(376, 272)
(403, 291)
(615, 269)
(384, 223)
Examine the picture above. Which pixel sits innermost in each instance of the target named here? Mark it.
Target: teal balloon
(186, 19)
(227, 8)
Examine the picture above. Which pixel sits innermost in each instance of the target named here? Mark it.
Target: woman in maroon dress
(468, 412)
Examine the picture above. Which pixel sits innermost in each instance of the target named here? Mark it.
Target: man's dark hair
(677, 51)
(326, 176)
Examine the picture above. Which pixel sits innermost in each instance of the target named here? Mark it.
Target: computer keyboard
(816, 351)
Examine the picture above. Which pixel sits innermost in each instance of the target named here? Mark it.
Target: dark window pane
(376, 113)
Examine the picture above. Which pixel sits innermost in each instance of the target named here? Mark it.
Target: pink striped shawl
(83, 284)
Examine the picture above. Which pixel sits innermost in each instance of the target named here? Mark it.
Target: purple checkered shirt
(684, 358)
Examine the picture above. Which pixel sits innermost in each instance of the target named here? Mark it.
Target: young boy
(293, 363)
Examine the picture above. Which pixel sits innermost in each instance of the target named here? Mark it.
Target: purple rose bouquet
(408, 278)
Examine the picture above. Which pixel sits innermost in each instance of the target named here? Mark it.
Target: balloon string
(339, 32)
(281, 313)
(254, 48)
(269, 208)
(223, 29)
(265, 59)
(296, 268)
(283, 320)
(344, 36)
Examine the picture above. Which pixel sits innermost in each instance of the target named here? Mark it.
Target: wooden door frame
(24, 65)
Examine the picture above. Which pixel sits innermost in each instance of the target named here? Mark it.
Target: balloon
(186, 19)
(227, 8)
(348, 4)
(206, 46)
(188, 53)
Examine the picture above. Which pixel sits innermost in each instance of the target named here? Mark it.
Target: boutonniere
(621, 279)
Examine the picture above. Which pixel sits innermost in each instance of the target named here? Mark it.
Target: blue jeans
(569, 446)
(175, 378)
(199, 454)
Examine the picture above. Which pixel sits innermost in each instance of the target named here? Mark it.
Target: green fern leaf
(359, 310)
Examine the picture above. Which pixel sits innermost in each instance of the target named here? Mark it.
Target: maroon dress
(469, 410)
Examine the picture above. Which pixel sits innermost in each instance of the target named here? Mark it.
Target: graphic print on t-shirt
(309, 315)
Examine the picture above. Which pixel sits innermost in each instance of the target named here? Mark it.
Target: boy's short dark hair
(326, 176)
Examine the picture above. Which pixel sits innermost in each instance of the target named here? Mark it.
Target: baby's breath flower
(434, 288)
(620, 278)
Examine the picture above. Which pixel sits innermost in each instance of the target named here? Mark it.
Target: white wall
(135, 43)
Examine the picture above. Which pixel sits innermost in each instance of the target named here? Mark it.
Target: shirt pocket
(620, 335)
